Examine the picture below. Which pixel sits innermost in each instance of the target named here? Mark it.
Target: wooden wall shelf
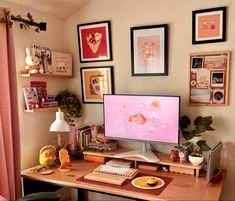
(47, 109)
(186, 168)
(44, 75)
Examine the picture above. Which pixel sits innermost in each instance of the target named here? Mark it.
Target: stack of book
(99, 147)
(36, 96)
(82, 137)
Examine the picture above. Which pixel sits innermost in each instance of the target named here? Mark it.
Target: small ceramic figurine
(29, 59)
(47, 155)
(64, 160)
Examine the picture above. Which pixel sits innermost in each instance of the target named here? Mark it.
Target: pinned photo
(217, 79)
(197, 62)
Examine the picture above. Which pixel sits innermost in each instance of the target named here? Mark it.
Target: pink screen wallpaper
(148, 118)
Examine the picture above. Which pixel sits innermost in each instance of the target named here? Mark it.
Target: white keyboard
(115, 170)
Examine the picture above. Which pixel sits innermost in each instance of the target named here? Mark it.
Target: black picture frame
(95, 82)
(209, 25)
(149, 50)
(94, 42)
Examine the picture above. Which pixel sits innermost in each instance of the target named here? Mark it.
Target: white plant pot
(195, 160)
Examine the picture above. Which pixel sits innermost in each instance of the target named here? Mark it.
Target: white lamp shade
(59, 125)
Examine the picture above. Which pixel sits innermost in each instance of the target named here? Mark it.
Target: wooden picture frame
(209, 80)
(96, 81)
(209, 25)
(61, 63)
(149, 50)
(94, 41)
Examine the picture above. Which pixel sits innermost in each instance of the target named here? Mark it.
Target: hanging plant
(70, 105)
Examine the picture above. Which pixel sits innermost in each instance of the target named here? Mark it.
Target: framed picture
(61, 63)
(96, 81)
(209, 78)
(94, 41)
(209, 25)
(149, 50)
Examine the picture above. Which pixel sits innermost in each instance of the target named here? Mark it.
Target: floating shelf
(44, 75)
(46, 109)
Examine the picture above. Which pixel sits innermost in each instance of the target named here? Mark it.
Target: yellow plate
(141, 182)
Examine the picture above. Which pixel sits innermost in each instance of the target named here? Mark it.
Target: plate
(46, 172)
(141, 182)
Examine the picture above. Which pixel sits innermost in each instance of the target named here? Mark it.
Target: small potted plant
(184, 151)
(195, 156)
(70, 105)
(194, 136)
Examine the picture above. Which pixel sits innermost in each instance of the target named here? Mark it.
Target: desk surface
(182, 187)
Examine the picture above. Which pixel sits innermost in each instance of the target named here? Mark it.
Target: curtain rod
(24, 23)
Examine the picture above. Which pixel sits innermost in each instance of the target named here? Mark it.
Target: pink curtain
(9, 124)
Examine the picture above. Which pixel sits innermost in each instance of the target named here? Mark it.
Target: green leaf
(184, 121)
(203, 145)
(198, 120)
(210, 128)
(187, 135)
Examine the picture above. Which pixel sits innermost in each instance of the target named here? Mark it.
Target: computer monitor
(150, 119)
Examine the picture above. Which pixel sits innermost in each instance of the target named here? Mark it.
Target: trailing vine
(70, 105)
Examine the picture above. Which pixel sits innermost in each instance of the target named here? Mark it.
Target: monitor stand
(145, 154)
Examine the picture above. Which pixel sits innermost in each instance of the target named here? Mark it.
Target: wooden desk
(182, 187)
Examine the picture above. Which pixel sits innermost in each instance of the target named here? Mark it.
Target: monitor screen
(142, 118)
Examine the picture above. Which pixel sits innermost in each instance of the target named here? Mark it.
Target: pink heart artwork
(94, 40)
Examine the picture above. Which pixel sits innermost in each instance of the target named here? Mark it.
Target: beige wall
(34, 126)
(124, 14)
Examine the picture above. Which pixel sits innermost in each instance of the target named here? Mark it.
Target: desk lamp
(59, 125)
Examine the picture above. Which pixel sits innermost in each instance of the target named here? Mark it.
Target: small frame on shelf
(96, 81)
(149, 50)
(61, 63)
(209, 25)
(94, 41)
(209, 78)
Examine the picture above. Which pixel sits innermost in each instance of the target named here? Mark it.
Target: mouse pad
(129, 186)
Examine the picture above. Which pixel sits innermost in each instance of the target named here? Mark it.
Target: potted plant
(194, 137)
(201, 124)
(184, 150)
(195, 156)
(70, 105)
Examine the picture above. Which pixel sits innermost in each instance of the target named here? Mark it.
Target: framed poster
(149, 50)
(209, 25)
(96, 81)
(61, 63)
(209, 78)
(94, 41)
